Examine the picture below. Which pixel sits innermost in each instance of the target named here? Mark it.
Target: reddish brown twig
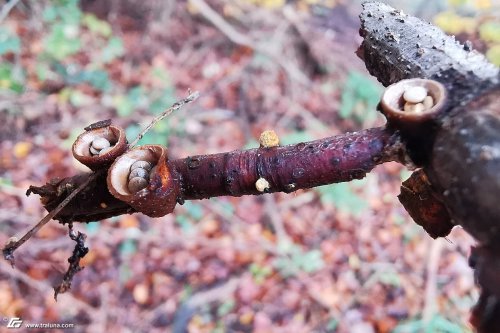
(304, 165)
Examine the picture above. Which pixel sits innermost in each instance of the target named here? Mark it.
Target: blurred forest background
(339, 258)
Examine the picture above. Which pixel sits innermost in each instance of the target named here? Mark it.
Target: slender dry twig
(240, 39)
(7, 8)
(431, 281)
(176, 106)
(8, 250)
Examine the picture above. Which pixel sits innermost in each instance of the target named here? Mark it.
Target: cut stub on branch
(421, 202)
(144, 179)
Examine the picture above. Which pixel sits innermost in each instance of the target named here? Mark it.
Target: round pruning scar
(262, 185)
(269, 139)
(99, 147)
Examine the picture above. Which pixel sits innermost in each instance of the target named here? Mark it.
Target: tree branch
(397, 46)
(304, 165)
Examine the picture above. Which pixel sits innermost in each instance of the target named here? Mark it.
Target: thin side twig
(176, 106)
(430, 306)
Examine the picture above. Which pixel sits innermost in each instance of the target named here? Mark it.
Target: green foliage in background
(437, 324)
(294, 259)
(344, 197)
(260, 273)
(9, 42)
(65, 27)
(11, 78)
(471, 16)
(360, 97)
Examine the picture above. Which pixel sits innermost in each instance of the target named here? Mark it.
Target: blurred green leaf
(390, 278)
(112, 50)
(92, 228)
(62, 41)
(79, 99)
(226, 307)
(295, 137)
(437, 324)
(360, 97)
(331, 326)
(163, 99)
(73, 75)
(125, 273)
(99, 79)
(44, 72)
(490, 31)
(441, 324)
(9, 42)
(194, 210)
(260, 273)
(297, 260)
(96, 25)
(452, 23)
(343, 197)
(151, 137)
(49, 14)
(413, 326)
(184, 222)
(457, 3)
(10, 78)
(128, 247)
(163, 75)
(124, 106)
(67, 11)
(5, 182)
(310, 261)
(493, 54)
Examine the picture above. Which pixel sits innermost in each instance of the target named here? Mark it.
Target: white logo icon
(14, 323)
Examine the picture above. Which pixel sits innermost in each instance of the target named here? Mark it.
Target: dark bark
(397, 46)
(465, 167)
(464, 159)
(287, 169)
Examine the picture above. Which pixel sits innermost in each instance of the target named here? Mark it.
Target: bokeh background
(338, 258)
